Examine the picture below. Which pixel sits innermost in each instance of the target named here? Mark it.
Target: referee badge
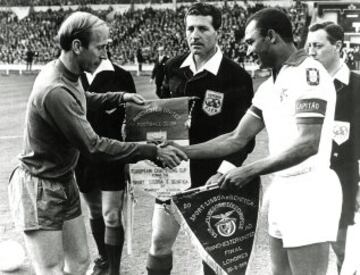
(213, 101)
(312, 76)
(341, 131)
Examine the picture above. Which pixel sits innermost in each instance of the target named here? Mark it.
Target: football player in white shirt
(296, 105)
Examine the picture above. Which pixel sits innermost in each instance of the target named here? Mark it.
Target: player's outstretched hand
(236, 178)
(215, 179)
(170, 156)
(135, 98)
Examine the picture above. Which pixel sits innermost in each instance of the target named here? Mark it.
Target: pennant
(221, 225)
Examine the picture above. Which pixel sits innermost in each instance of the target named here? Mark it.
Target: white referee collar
(343, 74)
(105, 65)
(212, 65)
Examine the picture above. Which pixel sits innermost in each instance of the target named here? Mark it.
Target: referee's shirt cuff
(225, 167)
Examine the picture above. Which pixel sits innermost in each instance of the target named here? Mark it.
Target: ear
(271, 36)
(76, 46)
(338, 45)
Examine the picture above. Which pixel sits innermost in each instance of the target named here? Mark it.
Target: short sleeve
(258, 102)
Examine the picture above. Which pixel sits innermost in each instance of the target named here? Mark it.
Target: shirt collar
(212, 65)
(105, 65)
(343, 74)
(69, 75)
(296, 58)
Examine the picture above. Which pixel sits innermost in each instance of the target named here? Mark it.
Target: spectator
(158, 70)
(29, 59)
(139, 59)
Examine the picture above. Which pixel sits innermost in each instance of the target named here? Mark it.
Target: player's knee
(161, 245)
(112, 217)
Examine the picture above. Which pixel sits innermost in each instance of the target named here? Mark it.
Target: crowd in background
(12, 3)
(136, 30)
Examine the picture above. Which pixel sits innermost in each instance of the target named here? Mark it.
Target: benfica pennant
(221, 225)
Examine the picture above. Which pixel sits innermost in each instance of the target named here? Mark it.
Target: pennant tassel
(129, 208)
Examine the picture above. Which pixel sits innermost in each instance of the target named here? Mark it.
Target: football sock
(159, 265)
(114, 242)
(98, 230)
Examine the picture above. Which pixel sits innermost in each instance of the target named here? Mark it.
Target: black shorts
(108, 176)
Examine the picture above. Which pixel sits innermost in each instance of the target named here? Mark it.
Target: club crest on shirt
(341, 131)
(312, 76)
(213, 102)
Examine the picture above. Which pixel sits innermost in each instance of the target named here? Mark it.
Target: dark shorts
(42, 204)
(103, 176)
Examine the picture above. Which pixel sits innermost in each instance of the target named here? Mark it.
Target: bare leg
(45, 249)
(279, 258)
(75, 246)
(164, 232)
(310, 259)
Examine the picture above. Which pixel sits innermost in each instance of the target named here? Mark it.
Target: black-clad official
(103, 183)
(224, 91)
(324, 43)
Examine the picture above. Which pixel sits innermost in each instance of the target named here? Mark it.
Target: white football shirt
(302, 89)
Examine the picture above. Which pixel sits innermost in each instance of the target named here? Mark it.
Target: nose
(249, 50)
(195, 33)
(311, 50)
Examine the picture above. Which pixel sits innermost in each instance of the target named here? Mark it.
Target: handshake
(169, 156)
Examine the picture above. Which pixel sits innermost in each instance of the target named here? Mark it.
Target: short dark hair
(204, 10)
(79, 25)
(334, 31)
(274, 19)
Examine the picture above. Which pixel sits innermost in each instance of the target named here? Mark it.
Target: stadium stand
(146, 28)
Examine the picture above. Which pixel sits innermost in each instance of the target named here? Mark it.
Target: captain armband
(310, 107)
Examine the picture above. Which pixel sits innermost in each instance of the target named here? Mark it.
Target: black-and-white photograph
(179, 137)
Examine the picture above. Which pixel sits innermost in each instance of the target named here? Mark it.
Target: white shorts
(305, 209)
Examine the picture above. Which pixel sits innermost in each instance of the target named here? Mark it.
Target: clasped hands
(168, 156)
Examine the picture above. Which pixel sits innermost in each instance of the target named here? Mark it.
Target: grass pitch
(14, 92)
